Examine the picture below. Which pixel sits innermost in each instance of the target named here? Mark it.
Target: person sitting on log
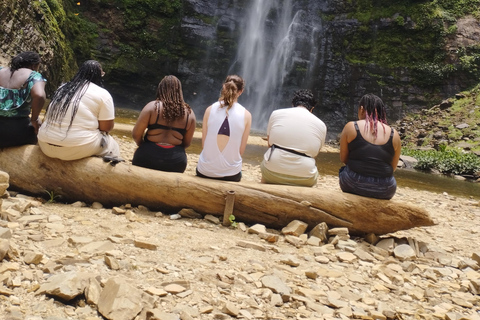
(22, 90)
(170, 124)
(295, 136)
(370, 150)
(225, 129)
(79, 117)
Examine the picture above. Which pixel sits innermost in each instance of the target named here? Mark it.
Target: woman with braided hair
(225, 130)
(170, 124)
(79, 117)
(370, 150)
(22, 89)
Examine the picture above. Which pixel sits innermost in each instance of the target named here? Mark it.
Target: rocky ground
(78, 261)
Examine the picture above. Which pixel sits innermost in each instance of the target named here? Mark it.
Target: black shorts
(152, 156)
(16, 132)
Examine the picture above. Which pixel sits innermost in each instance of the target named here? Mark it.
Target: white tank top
(213, 162)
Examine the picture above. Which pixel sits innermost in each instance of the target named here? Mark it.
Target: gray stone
(97, 205)
(93, 291)
(212, 219)
(97, 247)
(4, 247)
(66, 286)
(295, 228)
(320, 231)
(118, 211)
(257, 229)
(290, 260)
(5, 233)
(294, 240)
(112, 263)
(231, 309)
(251, 245)
(404, 252)
(190, 213)
(338, 232)
(275, 284)
(386, 244)
(119, 300)
(144, 244)
(32, 258)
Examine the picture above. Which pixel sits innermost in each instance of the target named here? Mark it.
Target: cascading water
(266, 55)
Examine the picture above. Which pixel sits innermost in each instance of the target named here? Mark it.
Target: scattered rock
(295, 228)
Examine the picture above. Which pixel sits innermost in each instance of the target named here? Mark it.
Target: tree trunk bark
(275, 206)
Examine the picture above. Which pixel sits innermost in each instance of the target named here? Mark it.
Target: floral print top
(16, 103)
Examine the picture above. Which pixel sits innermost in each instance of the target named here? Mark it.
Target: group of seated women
(81, 114)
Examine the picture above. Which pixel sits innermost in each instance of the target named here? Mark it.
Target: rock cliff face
(408, 54)
(35, 26)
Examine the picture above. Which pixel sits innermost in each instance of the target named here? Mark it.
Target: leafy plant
(233, 223)
(447, 161)
(52, 196)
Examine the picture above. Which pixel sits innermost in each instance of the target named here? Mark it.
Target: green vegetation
(413, 35)
(447, 161)
(52, 196)
(233, 223)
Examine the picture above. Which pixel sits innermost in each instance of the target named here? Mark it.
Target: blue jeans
(372, 187)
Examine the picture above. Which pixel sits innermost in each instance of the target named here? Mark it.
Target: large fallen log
(275, 206)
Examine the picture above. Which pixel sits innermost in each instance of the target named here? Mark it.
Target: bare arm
(187, 139)
(345, 138)
(106, 125)
(142, 124)
(397, 146)
(205, 125)
(248, 124)
(38, 101)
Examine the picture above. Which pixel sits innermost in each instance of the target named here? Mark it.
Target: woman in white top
(225, 130)
(79, 117)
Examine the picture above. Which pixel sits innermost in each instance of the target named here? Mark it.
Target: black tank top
(369, 159)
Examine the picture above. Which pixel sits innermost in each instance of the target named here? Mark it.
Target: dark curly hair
(73, 91)
(232, 85)
(374, 112)
(304, 98)
(170, 93)
(25, 59)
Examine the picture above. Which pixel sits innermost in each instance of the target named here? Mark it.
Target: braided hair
(304, 98)
(232, 85)
(375, 112)
(170, 93)
(25, 59)
(73, 91)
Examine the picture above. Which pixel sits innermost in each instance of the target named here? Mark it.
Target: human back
(370, 150)
(225, 129)
(22, 94)
(164, 128)
(79, 118)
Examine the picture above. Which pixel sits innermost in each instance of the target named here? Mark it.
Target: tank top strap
(186, 124)
(356, 126)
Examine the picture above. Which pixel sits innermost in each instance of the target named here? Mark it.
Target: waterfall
(266, 55)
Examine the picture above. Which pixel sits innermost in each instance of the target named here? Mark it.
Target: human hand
(36, 124)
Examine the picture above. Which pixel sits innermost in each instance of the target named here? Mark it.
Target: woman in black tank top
(164, 128)
(370, 150)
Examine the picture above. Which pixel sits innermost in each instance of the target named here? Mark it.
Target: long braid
(170, 93)
(25, 59)
(375, 112)
(72, 92)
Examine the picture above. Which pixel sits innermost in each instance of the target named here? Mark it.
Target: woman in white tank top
(225, 130)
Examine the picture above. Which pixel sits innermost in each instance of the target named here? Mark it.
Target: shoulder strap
(391, 133)
(186, 124)
(356, 126)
